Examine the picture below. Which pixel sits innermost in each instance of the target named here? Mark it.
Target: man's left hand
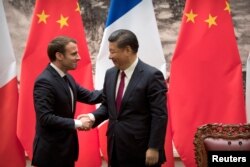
(152, 156)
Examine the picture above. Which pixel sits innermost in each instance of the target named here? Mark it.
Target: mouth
(74, 65)
(114, 61)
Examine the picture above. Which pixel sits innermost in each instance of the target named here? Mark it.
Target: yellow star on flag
(227, 8)
(77, 7)
(190, 16)
(211, 20)
(42, 17)
(63, 21)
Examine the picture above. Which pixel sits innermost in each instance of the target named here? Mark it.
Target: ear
(59, 56)
(128, 49)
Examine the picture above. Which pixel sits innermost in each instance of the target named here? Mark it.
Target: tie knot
(123, 74)
(65, 78)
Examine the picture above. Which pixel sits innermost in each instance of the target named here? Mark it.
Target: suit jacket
(56, 142)
(141, 122)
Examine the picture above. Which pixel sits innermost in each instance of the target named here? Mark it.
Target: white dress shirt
(78, 123)
(128, 72)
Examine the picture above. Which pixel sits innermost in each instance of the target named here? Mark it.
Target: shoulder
(48, 76)
(111, 71)
(44, 75)
(148, 69)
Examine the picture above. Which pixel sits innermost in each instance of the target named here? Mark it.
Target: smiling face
(121, 57)
(123, 47)
(68, 60)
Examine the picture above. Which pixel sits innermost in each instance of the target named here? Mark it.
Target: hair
(124, 38)
(58, 45)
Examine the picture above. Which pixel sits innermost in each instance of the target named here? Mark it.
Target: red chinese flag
(206, 74)
(50, 19)
(169, 143)
(11, 151)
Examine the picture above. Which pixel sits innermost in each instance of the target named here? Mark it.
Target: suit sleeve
(157, 102)
(101, 114)
(89, 97)
(44, 100)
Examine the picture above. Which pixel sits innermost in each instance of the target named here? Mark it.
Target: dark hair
(124, 38)
(58, 45)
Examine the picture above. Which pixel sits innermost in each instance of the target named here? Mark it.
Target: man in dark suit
(135, 104)
(55, 95)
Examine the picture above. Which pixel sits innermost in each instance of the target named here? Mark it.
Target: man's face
(71, 57)
(120, 57)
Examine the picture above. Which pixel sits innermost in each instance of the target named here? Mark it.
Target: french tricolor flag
(139, 17)
(11, 152)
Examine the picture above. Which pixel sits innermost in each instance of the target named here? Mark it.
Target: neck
(131, 60)
(60, 66)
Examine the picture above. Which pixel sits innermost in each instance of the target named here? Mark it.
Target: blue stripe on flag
(119, 8)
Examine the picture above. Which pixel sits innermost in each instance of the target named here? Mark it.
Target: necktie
(66, 81)
(70, 90)
(120, 91)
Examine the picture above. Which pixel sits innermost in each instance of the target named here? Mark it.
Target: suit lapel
(112, 87)
(135, 78)
(73, 88)
(59, 79)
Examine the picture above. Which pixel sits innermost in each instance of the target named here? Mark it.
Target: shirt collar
(129, 71)
(60, 72)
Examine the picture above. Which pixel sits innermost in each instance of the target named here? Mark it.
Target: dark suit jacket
(56, 142)
(141, 122)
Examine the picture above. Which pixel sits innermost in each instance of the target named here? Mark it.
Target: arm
(89, 97)
(157, 103)
(44, 100)
(100, 114)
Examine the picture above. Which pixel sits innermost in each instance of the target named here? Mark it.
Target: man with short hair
(135, 105)
(55, 95)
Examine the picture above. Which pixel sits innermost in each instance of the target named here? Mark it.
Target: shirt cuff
(78, 123)
(91, 116)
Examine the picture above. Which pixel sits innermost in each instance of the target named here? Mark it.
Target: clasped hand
(87, 123)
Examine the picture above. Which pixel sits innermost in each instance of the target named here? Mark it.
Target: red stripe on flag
(11, 152)
(169, 143)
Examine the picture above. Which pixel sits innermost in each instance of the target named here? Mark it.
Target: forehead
(70, 46)
(113, 45)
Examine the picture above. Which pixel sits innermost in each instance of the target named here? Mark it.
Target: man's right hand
(86, 122)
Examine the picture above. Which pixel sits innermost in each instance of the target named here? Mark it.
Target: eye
(74, 54)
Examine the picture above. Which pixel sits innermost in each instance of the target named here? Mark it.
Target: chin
(115, 64)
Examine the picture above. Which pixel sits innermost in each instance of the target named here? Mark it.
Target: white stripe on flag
(8, 62)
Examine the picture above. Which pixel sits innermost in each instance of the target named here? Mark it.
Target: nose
(78, 57)
(110, 56)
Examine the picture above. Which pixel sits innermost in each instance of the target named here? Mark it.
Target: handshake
(86, 122)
